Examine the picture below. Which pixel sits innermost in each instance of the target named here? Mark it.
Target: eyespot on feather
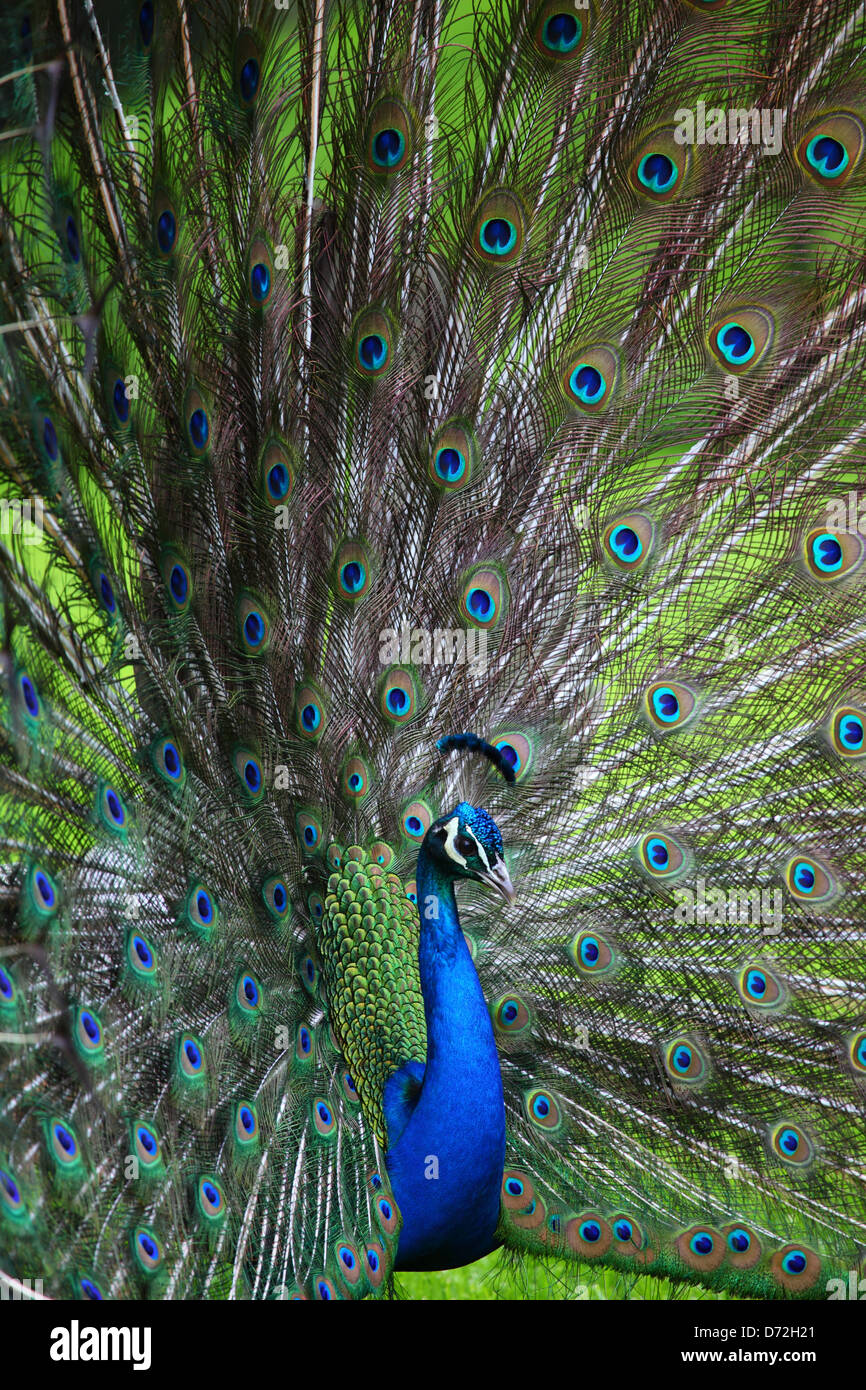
(701, 1248)
(832, 555)
(832, 148)
(453, 456)
(742, 339)
(669, 704)
(560, 30)
(388, 140)
(374, 341)
(498, 229)
(661, 855)
(629, 540)
(659, 169)
(589, 378)
(809, 881)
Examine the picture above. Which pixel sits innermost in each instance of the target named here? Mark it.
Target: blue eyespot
(66, 1140)
(510, 1011)
(514, 1187)
(73, 244)
(106, 593)
(851, 731)
(373, 352)
(657, 853)
(498, 236)
(204, 906)
(794, 1262)
(10, 1188)
(682, 1058)
(250, 989)
(450, 465)
(31, 699)
(7, 989)
(212, 1195)
(148, 1246)
(373, 1260)
(509, 755)
(311, 717)
(827, 155)
(735, 343)
(199, 428)
(353, 576)
(305, 1041)
(589, 950)
(480, 604)
(827, 552)
(147, 1140)
(249, 79)
(278, 481)
(247, 1119)
(324, 1113)
(166, 231)
(121, 401)
(49, 438)
(90, 1026)
(590, 1231)
(142, 951)
(252, 774)
(756, 984)
(789, 1140)
(146, 21)
(171, 761)
(657, 172)
(45, 889)
(254, 628)
(666, 705)
(623, 1230)
(804, 877)
(260, 281)
(701, 1243)
(626, 544)
(397, 700)
(388, 148)
(541, 1107)
(178, 583)
(562, 33)
(90, 1290)
(193, 1054)
(587, 384)
(739, 1241)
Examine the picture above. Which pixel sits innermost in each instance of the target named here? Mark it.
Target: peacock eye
(464, 845)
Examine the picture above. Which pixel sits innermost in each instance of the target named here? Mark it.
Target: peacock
(432, 665)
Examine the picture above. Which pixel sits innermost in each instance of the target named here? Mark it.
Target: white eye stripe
(452, 828)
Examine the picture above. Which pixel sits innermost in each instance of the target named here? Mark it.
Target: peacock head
(467, 843)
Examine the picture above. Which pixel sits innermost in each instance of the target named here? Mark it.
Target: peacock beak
(498, 878)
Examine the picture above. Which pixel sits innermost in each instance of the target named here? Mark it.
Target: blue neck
(446, 1164)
